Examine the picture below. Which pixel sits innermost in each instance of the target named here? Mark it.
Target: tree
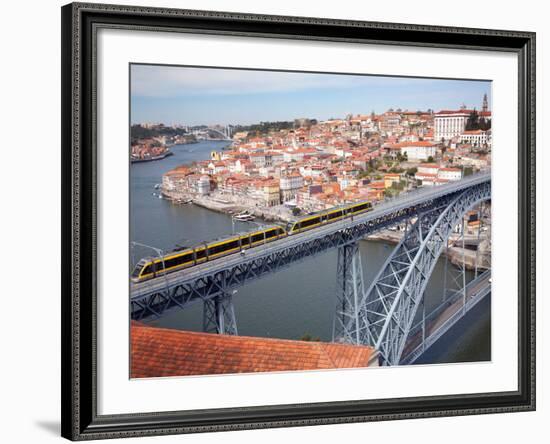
(296, 211)
(467, 171)
(473, 121)
(430, 159)
(412, 171)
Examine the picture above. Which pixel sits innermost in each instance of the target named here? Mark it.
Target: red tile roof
(159, 352)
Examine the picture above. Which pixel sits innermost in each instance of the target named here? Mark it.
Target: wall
(30, 399)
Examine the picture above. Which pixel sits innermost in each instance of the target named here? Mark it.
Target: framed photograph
(276, 221)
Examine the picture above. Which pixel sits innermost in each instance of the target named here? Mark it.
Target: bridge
(383, 315)
(225, 133)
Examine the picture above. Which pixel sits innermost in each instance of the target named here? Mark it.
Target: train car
(328, 216)
(148, 268)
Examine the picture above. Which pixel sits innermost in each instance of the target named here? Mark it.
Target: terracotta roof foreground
(157, 352)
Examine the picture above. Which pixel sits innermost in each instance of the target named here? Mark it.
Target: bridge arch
(388, 307)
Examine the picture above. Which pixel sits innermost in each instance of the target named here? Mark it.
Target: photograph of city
(298, 221)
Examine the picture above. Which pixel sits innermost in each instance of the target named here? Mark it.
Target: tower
(485, 106)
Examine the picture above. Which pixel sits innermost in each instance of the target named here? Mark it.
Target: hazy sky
(193, 96)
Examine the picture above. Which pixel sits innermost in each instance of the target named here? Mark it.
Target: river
(290, 303)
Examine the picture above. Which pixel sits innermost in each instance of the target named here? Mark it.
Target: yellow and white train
(149, 267)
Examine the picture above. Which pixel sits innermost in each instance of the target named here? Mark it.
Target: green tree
(473, 121)
(411, 171)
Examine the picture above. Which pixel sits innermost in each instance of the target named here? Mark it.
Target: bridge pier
(349, 294)
(219, 315)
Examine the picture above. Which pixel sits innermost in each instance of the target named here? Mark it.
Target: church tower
(485, 106)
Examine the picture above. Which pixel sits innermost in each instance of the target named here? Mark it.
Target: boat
(165, 154)
(244, 217)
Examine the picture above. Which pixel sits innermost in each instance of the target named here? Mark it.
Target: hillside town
(315, 165)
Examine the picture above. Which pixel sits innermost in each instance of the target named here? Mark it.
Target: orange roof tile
(159, 352)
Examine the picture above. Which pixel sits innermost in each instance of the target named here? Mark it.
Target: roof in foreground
(157, 352)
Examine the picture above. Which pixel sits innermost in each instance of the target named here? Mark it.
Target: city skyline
(189, 96)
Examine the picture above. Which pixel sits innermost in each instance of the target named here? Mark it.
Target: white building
(421, 150)
(476, 137)
(449, 174)
(449, 124)
(203, 185)
(428, 168)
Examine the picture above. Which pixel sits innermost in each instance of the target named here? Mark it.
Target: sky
(197, 96)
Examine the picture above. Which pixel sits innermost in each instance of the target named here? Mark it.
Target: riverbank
(220, 204)
(455, 254)
(164, 155)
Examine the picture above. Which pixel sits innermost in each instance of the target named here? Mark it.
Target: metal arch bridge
(383, 315)
(226, 135)
(375, 317)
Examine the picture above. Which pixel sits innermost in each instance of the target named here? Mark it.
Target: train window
(178, 260)
(201, 254)
(258, 237)
(334, 215)
(309, 223)
(148, 269)
(270, 233)
(223, 247)
(245, 241)
(360, 208)
(137, 270)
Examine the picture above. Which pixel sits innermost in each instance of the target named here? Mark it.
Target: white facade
(203, 185)
(476, 138)
(449, 125)
(290, 185)
(428, 168)
(418, 152)
(449, 173)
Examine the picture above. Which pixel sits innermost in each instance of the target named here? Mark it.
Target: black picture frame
(79, 172)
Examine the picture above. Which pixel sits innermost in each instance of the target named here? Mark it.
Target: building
(390, 121)
(428, 168)
(420, 150)
(157, 352)
(449, 174)
(449, 124)
(203, 185)
(270, 193)
(478, 138)
(390, 179)
(289, 185)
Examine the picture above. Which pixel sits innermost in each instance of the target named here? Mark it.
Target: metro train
(150, 267)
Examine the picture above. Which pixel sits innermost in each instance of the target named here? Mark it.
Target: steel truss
(219, 315)
(212, 284)
(350, 291)
(223, 277)
(389, 306)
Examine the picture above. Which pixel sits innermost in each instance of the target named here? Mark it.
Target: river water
(290, 303)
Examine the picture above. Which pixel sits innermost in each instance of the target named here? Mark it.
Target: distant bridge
(381, 315)
(224, 135)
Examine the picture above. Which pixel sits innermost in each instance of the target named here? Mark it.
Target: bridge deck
(408, 200)
(444, 317)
